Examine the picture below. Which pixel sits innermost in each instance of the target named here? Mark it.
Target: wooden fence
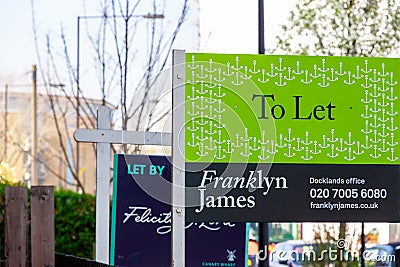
(16, 227)
(63, 260)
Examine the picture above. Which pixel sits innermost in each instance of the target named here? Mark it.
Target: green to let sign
(320, 130)
(291, 109)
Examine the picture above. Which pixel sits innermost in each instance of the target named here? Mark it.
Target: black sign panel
(293, 192)
(141, 221)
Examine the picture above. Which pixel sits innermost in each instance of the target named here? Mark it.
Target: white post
(103, 153)
(178, 159)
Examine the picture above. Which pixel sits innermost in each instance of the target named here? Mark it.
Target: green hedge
(74, 223)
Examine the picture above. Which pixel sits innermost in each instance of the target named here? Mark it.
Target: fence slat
(42, 226)
(16, 226)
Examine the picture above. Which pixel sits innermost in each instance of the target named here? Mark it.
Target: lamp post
(102, 216)
(5, 122)
(34, 172)
(263, 227)
(261, 39)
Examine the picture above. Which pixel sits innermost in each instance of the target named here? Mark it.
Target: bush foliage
(74, 221)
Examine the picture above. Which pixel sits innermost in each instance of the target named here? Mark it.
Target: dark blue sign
(141, 221)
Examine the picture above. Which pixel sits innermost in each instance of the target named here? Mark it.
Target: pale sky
(231, 26)
(225, 26)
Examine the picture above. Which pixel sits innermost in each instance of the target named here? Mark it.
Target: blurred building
(56, 148)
